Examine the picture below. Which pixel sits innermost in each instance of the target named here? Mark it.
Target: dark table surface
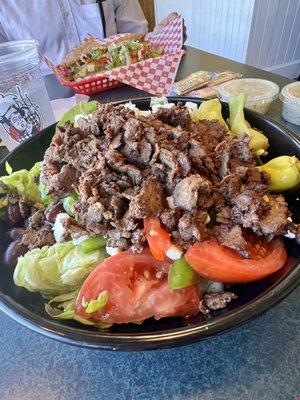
(258, 361)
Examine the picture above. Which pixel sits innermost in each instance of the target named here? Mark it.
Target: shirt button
(66, 14)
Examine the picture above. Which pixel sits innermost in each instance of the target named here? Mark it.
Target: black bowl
(253, 298)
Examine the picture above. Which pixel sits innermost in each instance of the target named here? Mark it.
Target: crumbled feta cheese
(78, 116)
(136, 110)
(191, 106)
(131, 106)
(59, 228)
(215, 287)
(156, 107)
(290, 235)
(112, 251)
(174, 252)
(158, 100)
(169, 105)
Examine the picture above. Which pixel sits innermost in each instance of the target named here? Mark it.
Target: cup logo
(19, 116)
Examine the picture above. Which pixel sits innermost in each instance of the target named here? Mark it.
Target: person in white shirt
(60, 25)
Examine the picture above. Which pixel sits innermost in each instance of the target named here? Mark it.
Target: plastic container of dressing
(290, 96)
(260, 92)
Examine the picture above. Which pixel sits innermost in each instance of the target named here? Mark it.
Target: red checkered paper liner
(169, 38)
(155, 75)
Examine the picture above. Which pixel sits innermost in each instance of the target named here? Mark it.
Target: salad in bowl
(137, 214)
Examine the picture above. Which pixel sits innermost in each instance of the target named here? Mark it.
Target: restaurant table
(257, 361)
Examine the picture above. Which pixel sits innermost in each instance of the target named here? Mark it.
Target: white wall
(218, 26)
(275, 36)
(263, 33)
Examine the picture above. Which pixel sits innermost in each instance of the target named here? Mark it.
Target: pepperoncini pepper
(68, 203)
(210, 110)
(284, 173)
(181, 275)
(239, 126)
(92, 243)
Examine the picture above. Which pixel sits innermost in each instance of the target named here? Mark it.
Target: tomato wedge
(219, 263)
(134, 57)
(137, 289)
(102, 60)
(158, 238)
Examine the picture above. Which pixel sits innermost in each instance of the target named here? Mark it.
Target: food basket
(89, 86)
(154, 75)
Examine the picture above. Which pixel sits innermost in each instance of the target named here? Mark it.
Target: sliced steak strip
(38, 232)
(275, 220)
(150, 200)
(186, 192)
(232, 237)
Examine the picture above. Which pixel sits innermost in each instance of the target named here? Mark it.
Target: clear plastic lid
(17, 56)
(290, 94)
(256, 90)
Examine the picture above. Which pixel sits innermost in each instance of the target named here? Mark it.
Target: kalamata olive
(52, 212)
(13, 215)
(13, 251)
(15, 233)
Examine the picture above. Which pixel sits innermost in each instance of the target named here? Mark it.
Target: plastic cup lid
(18, 55)
(290, 94)
(254, 89)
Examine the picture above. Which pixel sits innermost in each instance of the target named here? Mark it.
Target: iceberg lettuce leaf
(80, 108)
(24, 182)
(56, 270)
(68, 203)
(46, 199)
